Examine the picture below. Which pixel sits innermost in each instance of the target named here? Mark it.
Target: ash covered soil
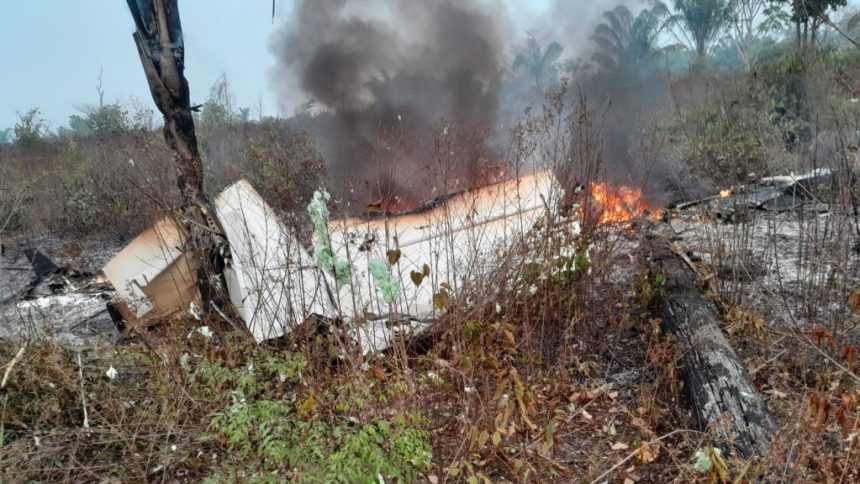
(787, 286)
(73, 313)
(796, 267)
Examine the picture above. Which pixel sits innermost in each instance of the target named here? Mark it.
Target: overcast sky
(54, 50)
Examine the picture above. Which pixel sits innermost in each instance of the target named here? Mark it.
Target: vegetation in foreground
(570, 380)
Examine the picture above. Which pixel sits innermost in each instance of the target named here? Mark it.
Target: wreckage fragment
(364, 272)
(775, 193)
(772, 193)
(152, 275)
(41, 264)
(458, 240)
(272, 280)
(452, 242)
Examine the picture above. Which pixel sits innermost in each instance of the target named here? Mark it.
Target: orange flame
(619, 204)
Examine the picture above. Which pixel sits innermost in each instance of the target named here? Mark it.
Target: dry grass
(550, 368)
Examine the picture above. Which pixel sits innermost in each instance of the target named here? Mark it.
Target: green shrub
(268, 435)
(265, 430)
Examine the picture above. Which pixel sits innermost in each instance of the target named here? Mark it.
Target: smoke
(409, 93)
(393, 79)
(574, 30)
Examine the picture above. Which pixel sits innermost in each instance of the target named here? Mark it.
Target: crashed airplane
(388, 276)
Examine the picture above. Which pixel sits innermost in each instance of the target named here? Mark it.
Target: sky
(55, 49)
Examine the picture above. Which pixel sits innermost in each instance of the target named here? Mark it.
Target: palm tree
(537, 62)
(628, 45)
(701, 22)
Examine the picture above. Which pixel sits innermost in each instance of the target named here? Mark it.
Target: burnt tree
(162, 53)
(716, 382)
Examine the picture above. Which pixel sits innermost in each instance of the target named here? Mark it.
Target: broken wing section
(272, 281)
(432, 254)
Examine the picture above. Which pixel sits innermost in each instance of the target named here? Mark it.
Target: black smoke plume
(401, 88)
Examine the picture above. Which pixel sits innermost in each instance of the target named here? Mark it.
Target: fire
(619, 204)
(726, 193)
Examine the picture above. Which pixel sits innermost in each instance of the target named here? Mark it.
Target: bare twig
(12, 364)
(83, 393)
(635, 452)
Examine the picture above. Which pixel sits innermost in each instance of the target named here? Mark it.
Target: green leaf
(388, 286)
(703, 463)
(550, 435)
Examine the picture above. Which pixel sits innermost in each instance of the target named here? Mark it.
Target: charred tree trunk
(816, 25)
(162, 52)
(797, 34)
(716, 382)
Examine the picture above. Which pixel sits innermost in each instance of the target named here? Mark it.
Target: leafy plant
(628, 45)
(267, 432)
(538, 62)
(30, 128)
(263, 373)
(104, 119)
(398, 451)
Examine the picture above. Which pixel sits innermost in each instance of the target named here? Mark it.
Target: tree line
(680, 35)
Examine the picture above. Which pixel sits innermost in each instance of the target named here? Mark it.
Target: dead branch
(161, 48)
(11, 365)
(601, 477)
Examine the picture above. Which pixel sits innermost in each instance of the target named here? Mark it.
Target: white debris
(376, 336)
(153, 272)
(192, 309)
(449, 245)
(273, 282)
(185, 361)
(397, 282)
(59, 300)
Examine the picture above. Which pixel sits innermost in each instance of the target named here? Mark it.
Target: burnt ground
(610, 405)
(787, 285)
(73, 311)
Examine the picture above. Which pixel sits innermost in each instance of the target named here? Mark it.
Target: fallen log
(716, 382)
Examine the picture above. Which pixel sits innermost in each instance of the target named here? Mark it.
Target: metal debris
(153, 273)
(775, 193)
(276, 285)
